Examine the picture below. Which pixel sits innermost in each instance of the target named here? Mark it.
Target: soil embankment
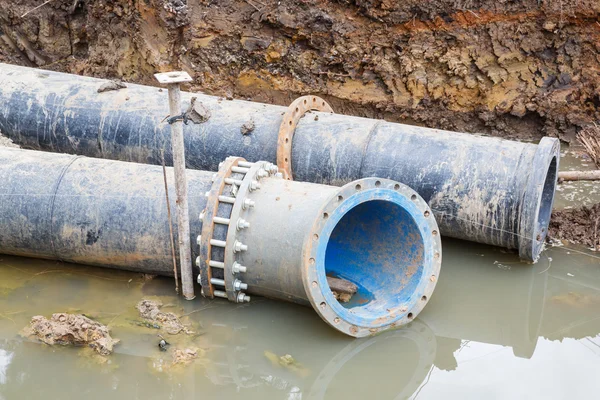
(579, 225)
(515, 69)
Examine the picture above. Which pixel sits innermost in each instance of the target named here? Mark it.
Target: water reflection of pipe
(395, 344)
(488, 297)
(240, 364)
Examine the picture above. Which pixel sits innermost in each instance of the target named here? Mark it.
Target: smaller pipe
(579, 176)
(164, 169)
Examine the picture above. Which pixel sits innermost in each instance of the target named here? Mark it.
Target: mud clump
(71, 329)
(186, 356)
(6, 142)
(111, 85)
(196, 112)
(579, 226)
(150, 311)
(248, 127)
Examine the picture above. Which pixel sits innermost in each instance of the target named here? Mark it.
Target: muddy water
(494, 328)
(578, 193)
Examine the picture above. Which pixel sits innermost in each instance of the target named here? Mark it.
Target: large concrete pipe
(482, 189)
(260, 234)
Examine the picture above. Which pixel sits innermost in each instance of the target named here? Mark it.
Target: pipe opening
(378, 246)
(546, 201)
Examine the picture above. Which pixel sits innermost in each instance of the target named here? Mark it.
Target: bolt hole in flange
(380, 240)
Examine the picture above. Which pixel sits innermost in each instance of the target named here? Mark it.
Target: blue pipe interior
(378, 246)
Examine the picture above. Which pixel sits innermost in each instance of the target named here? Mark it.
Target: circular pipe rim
(314, 277)
(531, 234)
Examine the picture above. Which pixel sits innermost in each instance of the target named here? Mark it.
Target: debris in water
(163, 344)
(342, 289)
(150, 310)
(576, 300)
(287, 361)
(248, 127)
(342, 297)
(186, 356)
(111, 85)
(196, 112)
(71, 329)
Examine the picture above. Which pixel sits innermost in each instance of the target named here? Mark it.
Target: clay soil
(581, 225)
(518, 69)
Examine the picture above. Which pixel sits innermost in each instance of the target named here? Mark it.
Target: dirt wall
(511, 68)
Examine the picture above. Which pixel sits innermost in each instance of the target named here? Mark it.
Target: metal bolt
(242, 223)
(254, 185)
(248, 203)
(215, 281)
(198, 261)
(242, 297)
(202, 214)
(261, 173)
(240, 170)
(245, 164)
(217, 243)
(239, 246)
(220, 293)
(239, 285)
(198, 240)
(222, 221)
(226, 199)
(279, 175)
(221, 165)
(231, 181)
(236, 267)
(216, 264)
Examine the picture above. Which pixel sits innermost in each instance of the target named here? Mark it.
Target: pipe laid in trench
(259, 234)
(481, 189)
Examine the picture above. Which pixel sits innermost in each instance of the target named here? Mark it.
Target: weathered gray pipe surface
(482, 189)
(90, 211)
(378, 234)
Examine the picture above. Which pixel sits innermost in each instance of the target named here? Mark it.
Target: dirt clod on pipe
(259, 234)
(482, 189)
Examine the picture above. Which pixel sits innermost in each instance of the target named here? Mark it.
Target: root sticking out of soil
(71, 329)
(578, 226)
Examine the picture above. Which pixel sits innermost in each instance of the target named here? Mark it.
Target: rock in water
(71, 329)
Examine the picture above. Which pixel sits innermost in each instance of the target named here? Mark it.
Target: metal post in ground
(173, 80)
